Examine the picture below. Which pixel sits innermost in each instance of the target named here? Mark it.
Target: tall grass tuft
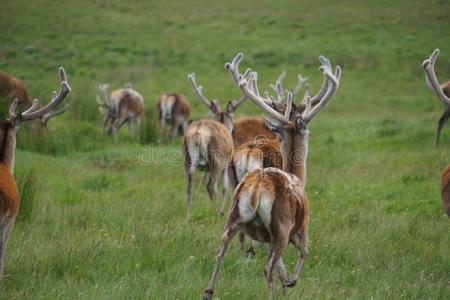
(27, 183)
(148, 130)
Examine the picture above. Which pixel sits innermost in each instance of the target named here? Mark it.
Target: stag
(173, 109)
(270, 205)
(124, 105)
(9, 196)
(207, 145)
(442, 92)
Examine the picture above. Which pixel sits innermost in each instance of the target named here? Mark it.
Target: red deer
(442, 92)
(263, 152)
(123, 105)
(270, 205)
(445, 190)
(207, 145)
(9, 197)
(173, 109)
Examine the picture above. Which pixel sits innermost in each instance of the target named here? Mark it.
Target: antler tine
(250, 89)
(198, 91)
(430, 75)
(52, 114)
(302, 81)
(306, 101)
(12, 109)
(289, 100)
(30, 113)
(233, 67)
(334, 83)
(324, 64)
(280, 79)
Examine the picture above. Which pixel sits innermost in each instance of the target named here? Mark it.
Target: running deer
(442, 92)
(445, 190)
(124, 105)
(173, 109)
(207, 145)
(270, 205)
(9, 196)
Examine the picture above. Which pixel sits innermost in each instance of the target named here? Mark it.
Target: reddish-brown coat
(445, 189)
(247, 129)
(9, 195)
(11, 88)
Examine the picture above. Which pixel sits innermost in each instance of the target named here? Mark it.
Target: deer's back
(248, 129)
(208, 138)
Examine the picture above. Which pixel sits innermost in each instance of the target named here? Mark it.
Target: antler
(250, 89)
(430, 76)
(302, 81)
(333, 83)
(32, 113)
(45, 118)
(211, 105)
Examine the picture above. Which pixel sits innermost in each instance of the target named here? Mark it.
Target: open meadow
(100, 221)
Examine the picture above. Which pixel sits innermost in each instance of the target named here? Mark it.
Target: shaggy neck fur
(7, 145)
(294, 150)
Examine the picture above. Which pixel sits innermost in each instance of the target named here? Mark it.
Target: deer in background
(270, 204)
(9, 196)
(442, 92)
(122, 106)
(173, 109)
(207, 145)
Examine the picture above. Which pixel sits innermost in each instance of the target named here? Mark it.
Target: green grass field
(100, 221)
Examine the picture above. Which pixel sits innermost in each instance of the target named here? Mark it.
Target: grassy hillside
(100, 221)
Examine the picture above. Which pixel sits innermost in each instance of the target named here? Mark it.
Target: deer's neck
(7, 146)
(295, 151)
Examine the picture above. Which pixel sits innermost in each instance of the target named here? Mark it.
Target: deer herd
(263, 160)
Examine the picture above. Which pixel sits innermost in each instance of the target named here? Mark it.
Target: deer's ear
(275, 127)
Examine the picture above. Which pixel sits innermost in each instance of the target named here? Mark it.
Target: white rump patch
(245, 209)
(166, 108)
(265, 208)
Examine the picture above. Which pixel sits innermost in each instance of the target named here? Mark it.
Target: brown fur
(130, 106)
(247, 128)
(11, 88)
(267, 151)
(211, 142)
(179, 115)
(446, 88)
(445, 190)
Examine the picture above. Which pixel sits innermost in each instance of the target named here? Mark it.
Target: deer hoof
(207, 295)
(290, 282)
(250, 253)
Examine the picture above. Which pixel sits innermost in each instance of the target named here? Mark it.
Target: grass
(108, 222)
